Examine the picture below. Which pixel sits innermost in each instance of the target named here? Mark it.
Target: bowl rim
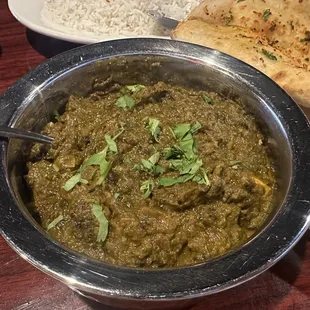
(93, 277)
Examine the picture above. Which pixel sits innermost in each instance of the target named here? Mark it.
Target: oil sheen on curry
(152, 176)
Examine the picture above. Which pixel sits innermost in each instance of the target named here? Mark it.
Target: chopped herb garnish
(269, 55)
(105, 168)
(181, 130)
(195, 127)
(207, 99)
(111, 144)
(292, 25)
(266, 14)
(150, 165)
(127, 161)
(240, 1)
(185, 166)
(154, 158)
(135, 88)
(153, 127)
(173, 152)
(55, 222)
(229, 18)
(183, 158)
(98, 159)
(184, 133)
(166, 182)
(190, 169)
(202, 178)
(57, 115)
(103, 222)
(125, 102)
(147, 187)
(74, 180)
(187, 144)
(116, 195)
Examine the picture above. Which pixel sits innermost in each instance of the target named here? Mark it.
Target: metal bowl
(30, 103)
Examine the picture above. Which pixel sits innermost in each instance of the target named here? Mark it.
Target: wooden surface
(285, 286)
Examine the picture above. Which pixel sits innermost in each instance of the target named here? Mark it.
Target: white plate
(28, 13)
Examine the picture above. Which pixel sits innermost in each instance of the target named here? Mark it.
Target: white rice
(112, 18)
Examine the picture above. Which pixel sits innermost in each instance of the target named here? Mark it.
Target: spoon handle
(167, 22)
(8, 132)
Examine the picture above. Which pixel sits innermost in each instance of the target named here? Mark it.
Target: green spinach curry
(152, 176)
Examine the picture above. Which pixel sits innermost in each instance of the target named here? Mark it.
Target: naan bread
(253, 49)
(285, 23)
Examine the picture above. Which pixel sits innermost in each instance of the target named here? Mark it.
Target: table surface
(284, 286)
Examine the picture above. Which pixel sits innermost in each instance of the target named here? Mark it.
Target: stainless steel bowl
(30, 103)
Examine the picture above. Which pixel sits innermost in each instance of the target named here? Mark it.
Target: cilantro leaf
(269, 55)
(55, 222)
(125, 102)
(185, 166)
(150, 165)
(195, 127)
(167, 182)
(103, 222)
(95, 159)
(207, 99)
(176, 164)
(181, 130)
(135, 88)
(187, 144)
(154, 158)
(153, 128)
(105, 167)
(56, 115)
(202, 178)
(98, 159)
(266, 14)
(147, 187)
(111, 144)
(191, 167)
(74, 180)
(229, 18)
(146, 165)
(173, 152)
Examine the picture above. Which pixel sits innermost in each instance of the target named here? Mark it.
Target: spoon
(167, 22)
(8, 132)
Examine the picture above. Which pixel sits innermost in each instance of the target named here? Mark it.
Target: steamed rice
(112, 18)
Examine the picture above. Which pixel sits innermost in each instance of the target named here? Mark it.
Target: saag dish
(152, 176)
